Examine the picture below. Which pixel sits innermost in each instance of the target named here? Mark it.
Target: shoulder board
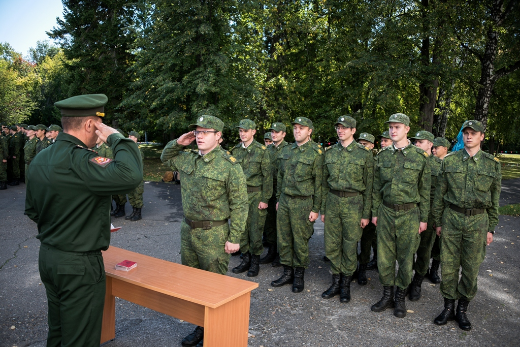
(362, 147)
(230, 158)
(491, 157)
(263, 147)
(187, 150)
(421, 151)
(318, 150)
(496, 159)
(88, 149)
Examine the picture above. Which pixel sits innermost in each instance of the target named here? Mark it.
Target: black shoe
(137, 215)
(3, 185)
(195, 337)
(415, 287)
(400, 305)
(387, 301)
(362, 275)
(255, 267)
(276, 261)
(461, 317)
(120, 211)
(287, 277)
(344, 295)
(298, 281)
(325, 259)
(244, 265)
(433, 272)
(447, 314)
(271, 254)
(333, 289)
(237, 253)
(372, 265)
(131, 215)
(200, 344)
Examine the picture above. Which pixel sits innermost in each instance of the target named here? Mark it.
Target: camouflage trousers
(252, 241)
(368, 241)
(294, 230)
(342, 232)
(397, 240)
(205, 249)
(119, 199)
(422, 260)
(136, 196)
(463, 244)
(3, 171)
(270, 222)
(15, 168)
(436, 249)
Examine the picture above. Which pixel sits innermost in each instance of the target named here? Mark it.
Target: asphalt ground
(278, 316)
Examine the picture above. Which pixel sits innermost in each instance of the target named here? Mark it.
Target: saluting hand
(104, 131)
(186, 139)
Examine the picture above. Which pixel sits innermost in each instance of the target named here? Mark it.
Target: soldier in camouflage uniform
(30, 147)
(119, 199)
(424, 140)
(368, 239)
(440, 147)
(346, 203)
(465, 210)
(52, 132)
(136, 196)
(214, 191)
(256, 165)
(22, 129)
(385, 139)
(15, 145)
(400, 207)
(4, 155)
(278, 132)
(299, 201)
(268, 139)
(43, 142)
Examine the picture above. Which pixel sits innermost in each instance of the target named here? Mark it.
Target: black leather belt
(204, 224)
(468, 211)
(343, 194)
(400, 207)
(301, 197)
(251, 189)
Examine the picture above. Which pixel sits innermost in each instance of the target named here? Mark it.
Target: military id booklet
(126, 265)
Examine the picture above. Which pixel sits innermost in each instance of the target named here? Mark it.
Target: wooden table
(218, 303)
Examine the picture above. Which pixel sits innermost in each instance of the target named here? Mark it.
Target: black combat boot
(447, 314)
(387, 301)
(194, 338)
(271, 254)
(255, 267)
(235, 254)
(344, 295)
(433, 272)
(415, 287)
(372, 265)
(131, 215)
(137, 215)
(244, 265)
(3, 185)
(276, 261)
(287, 277)
(461, 317)
(298, 282)
(362, 275)
(200, 344)
(120, 212)
(400, 305)
(325, 259)
(333, 289)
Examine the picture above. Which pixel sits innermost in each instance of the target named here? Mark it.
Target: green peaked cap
(83, 105)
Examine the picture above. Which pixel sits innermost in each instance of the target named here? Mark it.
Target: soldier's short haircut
(74, 123)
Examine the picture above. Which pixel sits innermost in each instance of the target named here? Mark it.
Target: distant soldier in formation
(52, 132)
(268, 139)
(15, 146)
(22, 129)
(4, 156)
(465, 209)
(385, 139)
(43, 142)
(119, 199)
(136, 196)
(30, 147)
(440, 147)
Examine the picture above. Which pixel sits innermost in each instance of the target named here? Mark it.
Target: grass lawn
(510, 165)
(153, 167)
(510, 210)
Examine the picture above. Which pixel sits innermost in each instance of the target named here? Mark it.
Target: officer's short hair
(74, 123)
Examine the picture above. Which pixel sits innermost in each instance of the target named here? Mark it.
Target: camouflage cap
(346, 121)
(40, 127)
(134, 134)
(208, 122)
(473, 124)
(278, 126)
(367, 137)
(268, 136)
(246, 124)
(303, 121)
(31, 127)
(23, 125)
(441, 141)
(83, 105)
(385, 134)
(54, 127)
(399, 118)
(423, 135)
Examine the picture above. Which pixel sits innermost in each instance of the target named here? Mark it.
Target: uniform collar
(466, 156)
(405, 150)
(281, 145)
(70, 138)
(349, 148)
(302, 147)
(211, 155)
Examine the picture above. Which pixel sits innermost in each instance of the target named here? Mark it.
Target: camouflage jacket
(301, 172)
(104, 151)
(42, 144)
(4, 153)
(435, 166)
(349, 169)
(402, 177)
(469, 182)
(213, 186)
(275, 161)
(256, 164)
(15, 145)
(30, 150)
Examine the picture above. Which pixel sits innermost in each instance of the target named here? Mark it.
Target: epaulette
(491, 157)
(88, 149)
(187, 150)
(229, 158)
(421, 151)
(361, 146)
(317, 148)
(327, 148)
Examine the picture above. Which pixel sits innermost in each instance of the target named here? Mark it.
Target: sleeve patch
(101, 161)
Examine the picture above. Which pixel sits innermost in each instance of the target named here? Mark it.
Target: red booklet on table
(126, 265)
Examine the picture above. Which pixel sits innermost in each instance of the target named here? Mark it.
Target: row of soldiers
(19, 144)
(403, 194)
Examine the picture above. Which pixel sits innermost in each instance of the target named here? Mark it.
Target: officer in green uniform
(43, 142)
(68, 194)
(15, 145)
(256, 165)
(465, 210)
(268, 139)
(401, 203)
(214, 190)
(4, 155)
(278, 132)
(299, 196)
(136, 196)
(346, 203)
(424, 140)
(30, 147)
(368, 239)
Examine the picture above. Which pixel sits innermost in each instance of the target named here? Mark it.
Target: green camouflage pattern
(42, 144)
(135, 197)
(4, 155)
(104, 151)
(15, 145)
(30, 150)
(252, 241)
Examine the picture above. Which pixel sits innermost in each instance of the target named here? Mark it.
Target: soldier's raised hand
(104, 131)
(186, 139)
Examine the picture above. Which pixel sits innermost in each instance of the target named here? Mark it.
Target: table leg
(108, 330)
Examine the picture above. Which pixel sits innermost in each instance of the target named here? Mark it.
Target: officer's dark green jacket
(213, 186)
(402, 177)
(30, 150)
(469, 182)
(301, 172)
(69, 193)
(349, 169)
